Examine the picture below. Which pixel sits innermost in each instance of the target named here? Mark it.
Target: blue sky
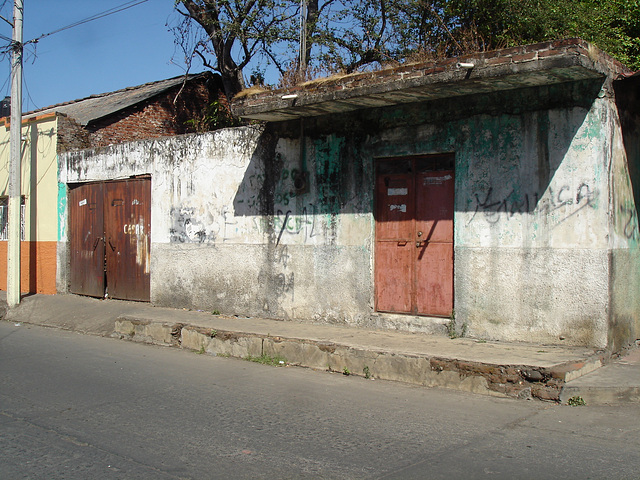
(121, 50)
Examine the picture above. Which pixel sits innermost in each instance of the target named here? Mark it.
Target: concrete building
(39, 186)
(145, 111)
(492, 195)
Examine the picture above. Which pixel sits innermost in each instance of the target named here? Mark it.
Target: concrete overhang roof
(519, 67)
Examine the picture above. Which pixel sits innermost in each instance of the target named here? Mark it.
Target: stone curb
(596, 395)
(518, 381)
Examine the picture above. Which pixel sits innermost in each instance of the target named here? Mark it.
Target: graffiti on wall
(567, 200)
(291, 223)
(189, 227)
(629, 217)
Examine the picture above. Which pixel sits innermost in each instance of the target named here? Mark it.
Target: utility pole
(15, 161)
(303, 35)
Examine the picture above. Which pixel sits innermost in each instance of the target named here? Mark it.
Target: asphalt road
(82, 407)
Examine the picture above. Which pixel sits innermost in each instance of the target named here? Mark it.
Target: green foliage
(450, 326)
(367, 372)
(453, 331)
(352, 35)
(346, 371)
(576, 401)
(215, 116)
(275, 361)
(453, 27)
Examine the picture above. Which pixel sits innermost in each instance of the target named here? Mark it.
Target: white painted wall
(535, 224)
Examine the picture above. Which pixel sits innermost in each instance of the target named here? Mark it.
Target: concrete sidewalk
(514, 369)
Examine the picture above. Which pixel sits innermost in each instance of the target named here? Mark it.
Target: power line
(26, 87)
(111, 11)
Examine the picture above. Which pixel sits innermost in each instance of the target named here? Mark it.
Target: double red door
(109, 236)
(414, 235)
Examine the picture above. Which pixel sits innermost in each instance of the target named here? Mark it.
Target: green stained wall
(259, 221)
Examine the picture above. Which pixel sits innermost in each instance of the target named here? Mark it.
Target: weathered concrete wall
(229, 232)
(624, 318)
(234, 228)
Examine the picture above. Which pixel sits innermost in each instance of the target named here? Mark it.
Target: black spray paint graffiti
(496, 208)
(292, 224)
(284, 284)
(282, 256)
(631, 227)
(289, 177)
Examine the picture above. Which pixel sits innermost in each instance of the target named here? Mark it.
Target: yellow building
(39, 189)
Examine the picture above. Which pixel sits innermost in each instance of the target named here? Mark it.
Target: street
(81, 407)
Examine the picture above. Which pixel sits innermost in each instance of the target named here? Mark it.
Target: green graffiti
(62, 211)
(329, 173)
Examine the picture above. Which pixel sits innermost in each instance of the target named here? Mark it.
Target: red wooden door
(127, 226)
(86, 240)
(414, 235)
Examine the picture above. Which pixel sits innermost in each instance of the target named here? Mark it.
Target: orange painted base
(37, 267)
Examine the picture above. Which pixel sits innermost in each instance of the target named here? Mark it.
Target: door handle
(420, 244)
(402, 243)
(111, 245)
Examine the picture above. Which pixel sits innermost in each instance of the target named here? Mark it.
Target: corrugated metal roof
(92, 108)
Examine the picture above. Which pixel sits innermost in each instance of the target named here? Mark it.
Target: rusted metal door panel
(86, 240)
(434, 272)
(127, 238)
(434, 226)
(394, 265)
(395, 208)
(414, 235)
(394, 233)
(434, 206)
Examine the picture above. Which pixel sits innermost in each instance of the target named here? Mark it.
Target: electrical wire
(97, 16)
(29, 98)
(6, 86)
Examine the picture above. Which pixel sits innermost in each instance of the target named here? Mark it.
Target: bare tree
(232, 33)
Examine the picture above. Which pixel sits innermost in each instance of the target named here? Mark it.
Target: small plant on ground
(215, 312)
(452, 327)
(576, 401)
(264, 359)
(366, 371)
(201, 351)
(213, 332)
(345, 371)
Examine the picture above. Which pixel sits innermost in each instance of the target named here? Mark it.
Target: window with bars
(4, 218)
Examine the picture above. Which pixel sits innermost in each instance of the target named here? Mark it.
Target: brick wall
(164, 115)
(71, 136)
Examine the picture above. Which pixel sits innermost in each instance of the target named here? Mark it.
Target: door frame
(437, 162)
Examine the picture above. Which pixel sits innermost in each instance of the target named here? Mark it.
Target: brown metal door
(395, 248)
(127, 238)
(434, 239)
(86, 240)
(414, 235)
